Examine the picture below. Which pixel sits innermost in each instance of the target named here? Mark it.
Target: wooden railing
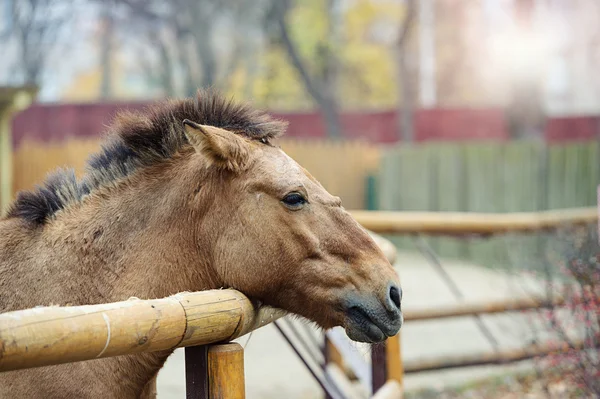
(459, 224)
(53, 335)
(202, 322)
(466, 223)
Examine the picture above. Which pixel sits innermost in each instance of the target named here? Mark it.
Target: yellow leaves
(367, 58)
(365, 51)
(369, 77)
(85, 87)
(364, 47)
(279, 85)
(367, 18)
(309, 25)
(271, 83)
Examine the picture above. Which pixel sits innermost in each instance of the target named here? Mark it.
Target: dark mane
(139, 139)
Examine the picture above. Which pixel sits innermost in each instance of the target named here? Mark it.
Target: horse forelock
(140, 139)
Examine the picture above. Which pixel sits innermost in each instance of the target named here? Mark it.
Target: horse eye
(294, 201)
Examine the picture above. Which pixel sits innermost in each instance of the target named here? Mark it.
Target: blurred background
(397, 105)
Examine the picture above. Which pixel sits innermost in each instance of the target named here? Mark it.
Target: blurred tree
(106, 49)
(525, 109)
(348, 50)
(343, 54)
(204, 44)
(34, 27)
(406, 96)
(319, 81)
(368, 57)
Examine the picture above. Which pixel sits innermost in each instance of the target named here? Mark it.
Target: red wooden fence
(52, 122)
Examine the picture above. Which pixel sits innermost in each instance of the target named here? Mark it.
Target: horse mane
(141, 139)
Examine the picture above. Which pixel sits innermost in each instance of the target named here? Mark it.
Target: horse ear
(223, 148)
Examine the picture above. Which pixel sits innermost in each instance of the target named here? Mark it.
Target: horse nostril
(396, 295)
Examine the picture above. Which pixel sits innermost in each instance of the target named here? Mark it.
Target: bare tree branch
(195, 51)
(35, 27)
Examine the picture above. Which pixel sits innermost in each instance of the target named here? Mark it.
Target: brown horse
(191, 195)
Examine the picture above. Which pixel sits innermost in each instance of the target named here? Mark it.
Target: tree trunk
(428, 75)
(406, 93)
(185, 60)
(316, 88)
(202, 30)
(330, 115)
(406, 100)
(331, 69)
(106, 52)
(526, 109)
(166, 74)
(207, 60)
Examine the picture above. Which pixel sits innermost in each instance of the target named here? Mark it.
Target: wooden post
(196, 372)
(6, 162)
(395, 370)
(331, 356)
(378, 366)
(12, 99)
(226, 372)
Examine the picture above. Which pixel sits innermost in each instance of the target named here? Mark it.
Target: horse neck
(139, 239)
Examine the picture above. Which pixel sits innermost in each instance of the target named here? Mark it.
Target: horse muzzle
(372, 319)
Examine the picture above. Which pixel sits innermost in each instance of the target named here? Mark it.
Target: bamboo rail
(500, 357)
(53, 335)
(473, 309)
(459, 223)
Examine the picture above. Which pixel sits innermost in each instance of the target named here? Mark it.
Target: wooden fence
(487, 225)
(342, 167)
(229, 315)
(465, 224)
(53, 335)
(438, 177)
(203, 322)
(459, 225)
(489, 178)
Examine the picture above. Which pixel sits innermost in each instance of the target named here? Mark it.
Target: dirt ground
(273, 370)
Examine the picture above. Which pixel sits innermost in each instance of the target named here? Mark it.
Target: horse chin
(362, 326)
(369, 333)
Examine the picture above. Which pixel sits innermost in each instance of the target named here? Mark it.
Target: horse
(187, 195)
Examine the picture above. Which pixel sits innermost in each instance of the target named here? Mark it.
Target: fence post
(12, 99)
(331, 355)
(6, 163)
(379, 370)
(226, 371)
(196, 372)
(371, 198)
(386, 363)
(395, 369)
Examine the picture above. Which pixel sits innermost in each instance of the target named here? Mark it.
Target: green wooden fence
(490, 177)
